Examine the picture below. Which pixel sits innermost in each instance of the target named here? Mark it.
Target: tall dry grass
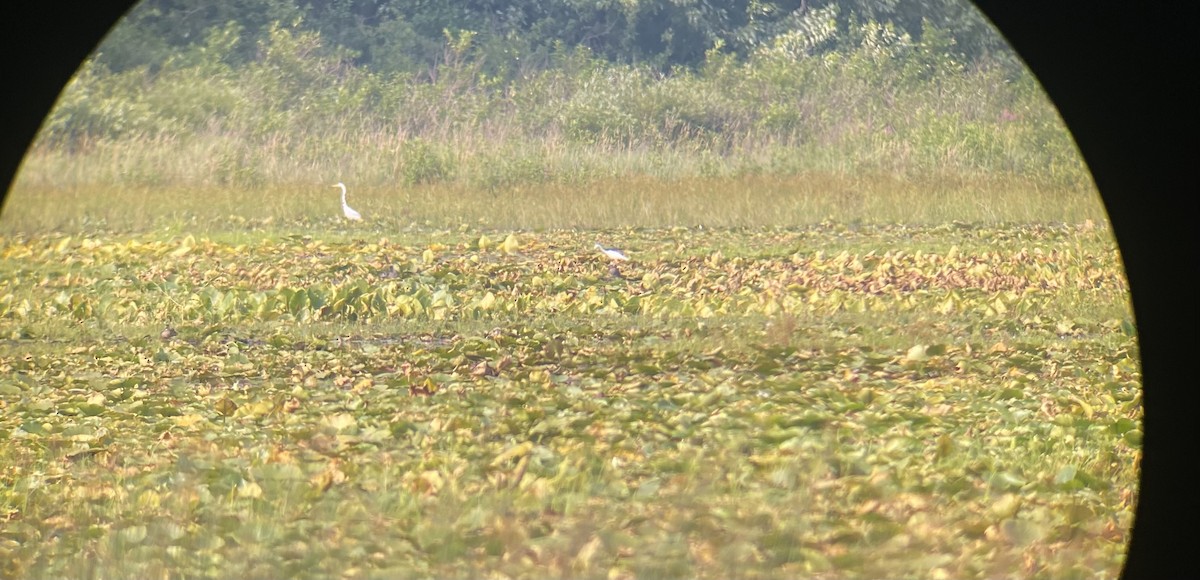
(613, 202)
(856, 136)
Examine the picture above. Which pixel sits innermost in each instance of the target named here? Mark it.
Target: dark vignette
(1118, 73)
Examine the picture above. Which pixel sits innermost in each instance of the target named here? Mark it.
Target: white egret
(347, 210)
(613, 253)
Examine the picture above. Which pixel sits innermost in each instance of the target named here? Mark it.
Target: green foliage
(153, 32)
(449, 405)
(425, 162)
(598, 110)
(396, 47)
(870, 97)
(507, 168)
(383, 398)
(400, 36)
(809, 34)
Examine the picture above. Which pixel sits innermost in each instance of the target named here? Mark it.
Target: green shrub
(879, 101)
(509, 167)
(425, 162)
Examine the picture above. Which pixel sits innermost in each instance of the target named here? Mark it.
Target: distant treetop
(410, 36)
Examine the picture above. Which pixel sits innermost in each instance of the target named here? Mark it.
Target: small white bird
(613, 253)
(347, 210)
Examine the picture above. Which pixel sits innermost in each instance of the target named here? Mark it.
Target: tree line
(497, 94)
(515, 36)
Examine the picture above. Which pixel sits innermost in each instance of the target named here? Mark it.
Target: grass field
(875, 391)
(634, 201)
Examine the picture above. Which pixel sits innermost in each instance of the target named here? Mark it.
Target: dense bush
(879, 99)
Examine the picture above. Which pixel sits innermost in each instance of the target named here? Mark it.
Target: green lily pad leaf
(812, 419)
(40, 406)
(133, 534)
(511, 244)
(33, 427)
(341, 422)
(1006, 506)
(815, 561)
(1065, 475)
(1128, 328)
(1006, 480)
(1022, 532)
(171, 531)
(90, 409)
(648, 488)
(1123, 425)
(249, 489)
(225, 406)
(1091, 481)
(402, 427)
(168, 411)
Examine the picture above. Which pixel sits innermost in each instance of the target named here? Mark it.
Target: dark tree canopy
(411, 35)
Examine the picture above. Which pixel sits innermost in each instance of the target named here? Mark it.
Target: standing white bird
(613, 253)
(347, 210)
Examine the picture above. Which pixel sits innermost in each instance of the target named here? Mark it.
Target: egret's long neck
(343, 195)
